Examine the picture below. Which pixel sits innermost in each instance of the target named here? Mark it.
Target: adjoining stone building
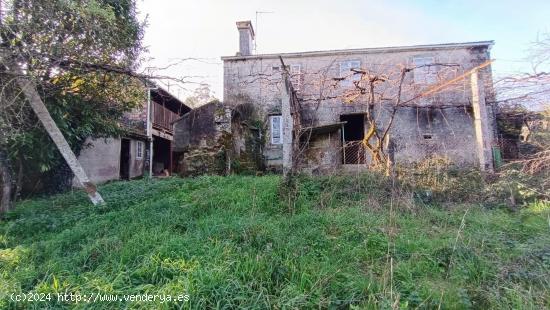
(218, 139)
(456, 122)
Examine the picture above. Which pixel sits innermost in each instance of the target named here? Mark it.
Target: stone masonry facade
(456, 122)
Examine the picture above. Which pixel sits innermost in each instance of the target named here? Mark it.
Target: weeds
(230, 242)
(437, 180)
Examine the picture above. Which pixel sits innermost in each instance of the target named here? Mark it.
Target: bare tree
(382, 90)
(523, 99)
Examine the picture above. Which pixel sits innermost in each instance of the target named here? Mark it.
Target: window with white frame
(425, 71)
(276, 129)
(139, 149)
(296, 76)
(347, 73)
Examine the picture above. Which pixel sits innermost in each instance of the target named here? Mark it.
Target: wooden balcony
(163, 117)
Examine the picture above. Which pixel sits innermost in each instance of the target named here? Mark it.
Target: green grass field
(232, 242)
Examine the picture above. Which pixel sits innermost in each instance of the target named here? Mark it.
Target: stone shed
(217, 138)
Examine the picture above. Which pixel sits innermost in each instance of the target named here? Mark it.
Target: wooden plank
(36, 103)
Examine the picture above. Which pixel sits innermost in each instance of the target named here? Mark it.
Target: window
(295, 72)
(295, 76)
(425, 72)
(139, 150)
(276, 129)
(347, 74)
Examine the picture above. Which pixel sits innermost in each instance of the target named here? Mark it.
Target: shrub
(333, 190)
(514, 187)
(437, 179)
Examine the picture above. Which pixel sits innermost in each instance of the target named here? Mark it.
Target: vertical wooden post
(150, 113)
(343, 146)
(171, 157)
(29, 89)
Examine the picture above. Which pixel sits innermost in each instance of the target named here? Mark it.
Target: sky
(191, 36)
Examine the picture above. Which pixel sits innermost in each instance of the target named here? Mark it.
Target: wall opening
(353, 151)
(162, 157)
(124, 159)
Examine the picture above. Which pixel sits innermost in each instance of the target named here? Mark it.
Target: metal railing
(354, 153)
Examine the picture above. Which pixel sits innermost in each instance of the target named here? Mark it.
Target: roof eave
(443, 46)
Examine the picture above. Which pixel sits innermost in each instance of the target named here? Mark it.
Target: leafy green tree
(82, 55)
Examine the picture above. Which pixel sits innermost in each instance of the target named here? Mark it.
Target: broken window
(139, 150)
(276, 129)
(425, 71)
(346, 72)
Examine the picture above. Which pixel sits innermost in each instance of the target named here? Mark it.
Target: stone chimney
(246, 38)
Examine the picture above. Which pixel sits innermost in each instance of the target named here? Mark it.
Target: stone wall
(217, 139)
(135, 121)
(323, 154)
(441, 124)
(201, 139)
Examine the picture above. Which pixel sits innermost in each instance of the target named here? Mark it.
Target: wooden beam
(36, 103)
(444, 84)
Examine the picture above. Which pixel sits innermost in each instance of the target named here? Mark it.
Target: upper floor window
(296, 76)
(276, 129)
(425, 71)
(295, 72)
(346, 72)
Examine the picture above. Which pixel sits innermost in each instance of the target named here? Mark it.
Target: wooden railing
(163, 117)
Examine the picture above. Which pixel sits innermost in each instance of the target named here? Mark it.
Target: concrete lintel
(483, 134)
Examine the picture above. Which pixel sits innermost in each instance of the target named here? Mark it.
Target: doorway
(125, 159)
(353, 151)
(162, 157)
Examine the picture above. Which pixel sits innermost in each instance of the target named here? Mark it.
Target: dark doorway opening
(354, 129)
(162, 157)
(125, 159)
(353, 151)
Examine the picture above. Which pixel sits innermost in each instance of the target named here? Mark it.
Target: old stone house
(149, 127)
(447, 87)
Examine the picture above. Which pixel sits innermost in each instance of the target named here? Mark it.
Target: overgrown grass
(230, 242)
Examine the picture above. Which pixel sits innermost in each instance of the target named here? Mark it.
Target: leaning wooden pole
(292, 123)
(39, 108)
(29, 89)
